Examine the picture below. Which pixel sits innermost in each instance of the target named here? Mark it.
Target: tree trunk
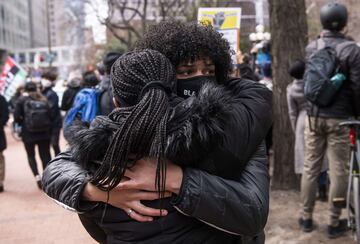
(288, 39)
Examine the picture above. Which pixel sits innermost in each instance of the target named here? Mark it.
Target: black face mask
(191, 86)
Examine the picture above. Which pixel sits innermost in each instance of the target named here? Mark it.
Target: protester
(14, 98)
(106, 104)
(73, 87)
(297, 114)
(322, 131)
(47, 82)
(86, 102)
(33, 113)
(4, 117)
(244, 198)
(242, 68)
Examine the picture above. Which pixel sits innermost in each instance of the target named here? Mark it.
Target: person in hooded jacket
(47, 83)
(73, 87)
(238, 206)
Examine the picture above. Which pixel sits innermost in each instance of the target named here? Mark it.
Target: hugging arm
(239, 206)
(67, 183)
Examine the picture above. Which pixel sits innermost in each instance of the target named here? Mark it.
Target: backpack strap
(320, 44)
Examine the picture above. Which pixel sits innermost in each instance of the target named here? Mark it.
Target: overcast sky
(92, 19)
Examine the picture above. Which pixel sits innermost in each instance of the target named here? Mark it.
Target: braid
(143, 133)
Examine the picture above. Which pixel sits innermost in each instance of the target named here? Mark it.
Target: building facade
(14, 25)
(38, 23)
(67, 22)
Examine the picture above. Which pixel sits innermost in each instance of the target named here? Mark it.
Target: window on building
(32, 57)
(65, 55)
(22, 58)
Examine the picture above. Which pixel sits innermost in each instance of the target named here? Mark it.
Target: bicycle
(352, 202)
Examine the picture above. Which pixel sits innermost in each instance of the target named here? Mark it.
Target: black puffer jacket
(347, 100)
(238, 206)
(53, 100)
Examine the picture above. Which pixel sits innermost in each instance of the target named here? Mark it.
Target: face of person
(199, 67)
(192, 75)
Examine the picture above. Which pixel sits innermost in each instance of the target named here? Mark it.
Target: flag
(11, 77)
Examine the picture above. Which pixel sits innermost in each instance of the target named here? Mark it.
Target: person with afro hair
(236, 201)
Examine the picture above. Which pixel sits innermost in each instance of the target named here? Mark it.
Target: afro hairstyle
(182, 42)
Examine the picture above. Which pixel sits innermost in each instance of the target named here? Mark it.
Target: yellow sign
(220, 18)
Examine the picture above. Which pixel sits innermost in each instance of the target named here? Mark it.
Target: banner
(11, 77)
(220, 18)
(226, 21)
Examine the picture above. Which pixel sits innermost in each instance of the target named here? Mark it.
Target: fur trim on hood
(195, 128)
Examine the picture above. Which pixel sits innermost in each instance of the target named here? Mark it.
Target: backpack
(37, 115)
(320, 84)
(85, 106)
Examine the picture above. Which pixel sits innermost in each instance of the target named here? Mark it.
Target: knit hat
(109, 60)
(90, 79)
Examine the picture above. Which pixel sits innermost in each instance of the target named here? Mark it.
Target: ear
(116, 103)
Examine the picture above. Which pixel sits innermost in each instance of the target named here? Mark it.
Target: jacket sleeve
(251, 120)
(64, 180)
(353, 62)
(292, 108)
(4, 108)
(238, 206)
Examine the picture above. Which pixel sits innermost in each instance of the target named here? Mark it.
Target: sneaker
(334, 232)
(306, 225)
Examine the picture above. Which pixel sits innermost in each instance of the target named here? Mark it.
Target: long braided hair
(141, 82)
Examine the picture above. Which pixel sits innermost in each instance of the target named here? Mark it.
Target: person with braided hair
(223, 182)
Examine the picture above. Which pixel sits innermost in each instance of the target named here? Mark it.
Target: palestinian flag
(11, 77)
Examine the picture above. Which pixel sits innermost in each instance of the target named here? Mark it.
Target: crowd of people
(168, 145)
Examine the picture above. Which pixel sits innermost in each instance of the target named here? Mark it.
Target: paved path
(26, 214)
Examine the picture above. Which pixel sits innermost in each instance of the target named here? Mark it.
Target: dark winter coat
(53, 100)
(106, 104)
(4, 117)
(347, 100)
(237, 198)
(68, 97)
(19, 117)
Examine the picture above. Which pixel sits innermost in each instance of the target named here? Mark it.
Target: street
(27, 215)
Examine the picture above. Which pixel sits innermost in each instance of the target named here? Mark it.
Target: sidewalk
(26, 214)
